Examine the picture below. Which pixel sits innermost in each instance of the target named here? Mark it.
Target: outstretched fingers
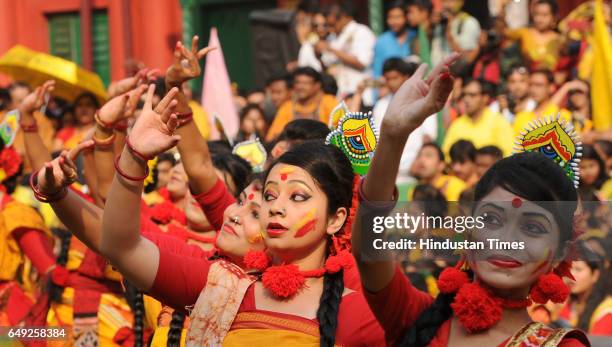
(443, 66)
(74, 152)
(148, 105)
(165, 102)
(204, 51)
(194, 44)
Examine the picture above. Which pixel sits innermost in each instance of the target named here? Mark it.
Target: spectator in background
(296, 132)
(308, 56)
(463, 161)
(575, 95)
(252, 123)
(540, 44)
(419, 17)
(485, 158)
(428, 168)
(457, 31)
(394, 42)
(165, 163)
(200, 117)
(541, 89)
(278, 90)
(395, 72)
(84, 110)
(5, 100)
(592, 170)
(516, 98)
(479, 124)
(256, 96)
(308, 101)
(350, 54)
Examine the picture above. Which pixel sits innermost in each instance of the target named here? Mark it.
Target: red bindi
(283, 177)
(251, 196)
(517, 202)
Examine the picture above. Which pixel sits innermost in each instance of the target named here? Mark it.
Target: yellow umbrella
(24, 64)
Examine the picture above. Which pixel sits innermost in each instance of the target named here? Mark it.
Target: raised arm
(121, 242)
(410, 106)
(193, 148)
(35, 149)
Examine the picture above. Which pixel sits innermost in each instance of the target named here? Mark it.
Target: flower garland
(10, 162)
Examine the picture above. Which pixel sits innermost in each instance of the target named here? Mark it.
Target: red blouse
(214, 202)
(180, 280)
(398, 305)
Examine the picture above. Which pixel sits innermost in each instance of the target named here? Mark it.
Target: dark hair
(301, 130)
(254, 90)
(436, 147)
(176, 329)
(219, 147)
(547, 73)
(346, 8)
(589, 152)
(87, 95)
(396, 4)
(280, 77)
(462, 151)
(486, 87)
(530, 175)
(554, 8)
(55, 291)
(19, 84)
(399, 65)
(422, 5)
(308, 6)
(516, 68)
(333, 173)
(237, 168)
(491, 150)
(166, 156)
(328, 84)
(248, 108)
(5, 99)
(135, 299)
(595, 262)
(160, 87)
(307, 71)
(435, 203)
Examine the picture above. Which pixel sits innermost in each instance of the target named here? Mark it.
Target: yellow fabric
(606, 190)
(76, 254)
(114, 313)
(160, 337)
(269, 337)
(152, 309)
(603, 309)
(200, 118)
(285, 115)
(13, 216)
(545, 56)
(25, 195)
(450, 186)
(523, 118)
(75, 139)
(601, 79)
(153, 198)
(489, 129)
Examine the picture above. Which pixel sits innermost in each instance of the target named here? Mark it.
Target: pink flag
(217, 97)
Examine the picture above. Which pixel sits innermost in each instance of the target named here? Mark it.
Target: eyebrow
(497, 207)
(536, 214)
(291, 181)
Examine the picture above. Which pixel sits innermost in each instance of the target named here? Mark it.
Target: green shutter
(65, 36)
(99, 42)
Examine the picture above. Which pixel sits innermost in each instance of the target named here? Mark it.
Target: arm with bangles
(382, 279)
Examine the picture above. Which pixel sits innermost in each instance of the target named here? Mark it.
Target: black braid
(135, 299)
(55, 291)
(327, 314)
(176, 329)
(429, 321)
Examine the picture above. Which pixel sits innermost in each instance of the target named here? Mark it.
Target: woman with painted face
(524, 197)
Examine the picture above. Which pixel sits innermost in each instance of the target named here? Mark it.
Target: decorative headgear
(9, 127)
(356, 136)
(10, 162)
(253, 152)
(555, 139)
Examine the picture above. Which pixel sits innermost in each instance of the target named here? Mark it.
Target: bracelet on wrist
(184, 118)
(129, 177)
(28, 128)
(104, 143)
(102, 124)
(135, 152)
(42, 197)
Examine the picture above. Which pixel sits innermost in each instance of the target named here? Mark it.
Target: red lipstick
(504, 262)
(229, 229)
(276, 229)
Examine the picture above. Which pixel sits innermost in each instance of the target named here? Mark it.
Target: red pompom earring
(549, 287)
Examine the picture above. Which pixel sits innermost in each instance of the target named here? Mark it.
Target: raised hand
(418, 98)
(36, 99)
(122, 106)
(186, 63)
(152, 133)
(143, 76)
(61, 171)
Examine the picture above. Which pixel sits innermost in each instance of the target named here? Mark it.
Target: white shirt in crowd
(357, 40)
(517, 12)
(428, 129)
(530, 105)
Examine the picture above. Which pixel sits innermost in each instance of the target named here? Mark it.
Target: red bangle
(134, 151)
(128, 177)
(29, 128)
(101, 123)
(184, 120)
(121, 125)
(42, 197)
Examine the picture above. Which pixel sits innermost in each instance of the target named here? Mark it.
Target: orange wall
(155, 25)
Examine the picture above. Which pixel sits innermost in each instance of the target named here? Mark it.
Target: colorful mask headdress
(253, 152)
(356, 136)
(555, 139)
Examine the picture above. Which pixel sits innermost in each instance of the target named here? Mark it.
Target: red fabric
(92, 265)
(603, 326)
(399, 304)
(65, 134)
(177, 245)
(180, 280)
(18, 304)
(124, 337)
(214, 202)
(37, 247)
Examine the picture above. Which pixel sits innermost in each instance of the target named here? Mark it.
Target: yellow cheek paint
(256, 238)
(306, 224)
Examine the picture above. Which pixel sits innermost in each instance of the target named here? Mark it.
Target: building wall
(140, 30)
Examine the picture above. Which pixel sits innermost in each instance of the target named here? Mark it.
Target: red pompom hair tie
(549, 287)
(476, 309)
(258, 260)
(451, 280)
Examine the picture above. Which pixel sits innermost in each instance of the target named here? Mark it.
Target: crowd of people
(122, 221)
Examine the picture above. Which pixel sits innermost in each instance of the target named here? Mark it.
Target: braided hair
(55, 291)
(333, 173)
(176, 329)
(135, 299)
(531, 176)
